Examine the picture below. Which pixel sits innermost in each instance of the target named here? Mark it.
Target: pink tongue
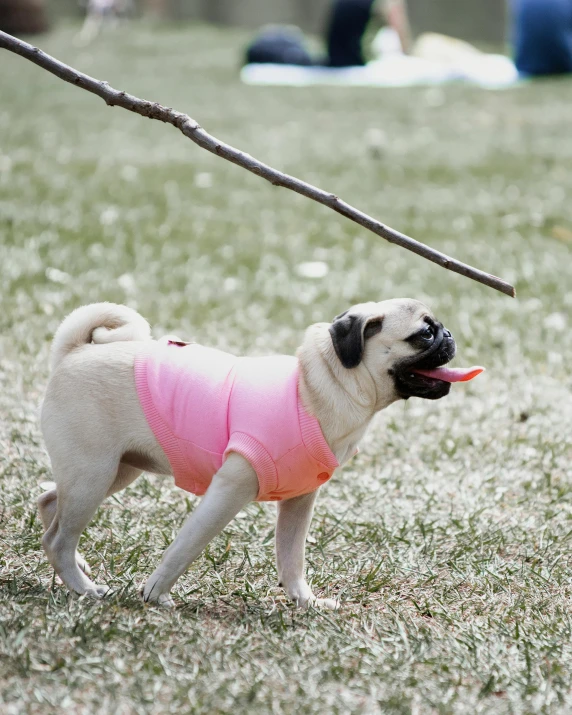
(452, 374)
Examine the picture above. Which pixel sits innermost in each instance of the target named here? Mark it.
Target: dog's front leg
(232, 488)
(294, 517)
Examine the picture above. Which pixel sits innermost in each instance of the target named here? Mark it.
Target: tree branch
(199, 136)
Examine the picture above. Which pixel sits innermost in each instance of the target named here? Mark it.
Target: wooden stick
(199, 136)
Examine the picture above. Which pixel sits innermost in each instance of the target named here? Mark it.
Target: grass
(449, 538)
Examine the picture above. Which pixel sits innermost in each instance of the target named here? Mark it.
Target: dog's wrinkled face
(391, 340)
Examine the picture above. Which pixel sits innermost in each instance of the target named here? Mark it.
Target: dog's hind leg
(125, 475)
(80, 490)
(48, 505)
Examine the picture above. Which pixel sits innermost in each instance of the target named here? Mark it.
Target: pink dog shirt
(203, 404)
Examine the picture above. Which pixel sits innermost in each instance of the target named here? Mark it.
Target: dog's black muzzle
(441, 351)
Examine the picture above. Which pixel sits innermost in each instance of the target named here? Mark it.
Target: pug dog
(234, 429)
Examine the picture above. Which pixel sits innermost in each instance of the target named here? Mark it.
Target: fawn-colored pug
(233, 429)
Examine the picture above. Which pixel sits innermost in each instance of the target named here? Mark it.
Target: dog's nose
(446, 333)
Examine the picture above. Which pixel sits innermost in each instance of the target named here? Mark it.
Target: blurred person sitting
(346, 27)
(348, 22)
(541, 35)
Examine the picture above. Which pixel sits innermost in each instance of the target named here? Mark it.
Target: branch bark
(191, 129)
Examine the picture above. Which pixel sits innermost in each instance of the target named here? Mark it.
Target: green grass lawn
(448, 538)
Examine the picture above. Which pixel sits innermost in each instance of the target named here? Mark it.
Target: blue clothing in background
(542, 36)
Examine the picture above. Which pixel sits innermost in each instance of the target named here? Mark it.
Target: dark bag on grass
(279, 45)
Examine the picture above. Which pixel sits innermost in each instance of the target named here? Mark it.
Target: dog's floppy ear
(349, 333)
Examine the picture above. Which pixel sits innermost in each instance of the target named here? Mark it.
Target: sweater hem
(258, 457)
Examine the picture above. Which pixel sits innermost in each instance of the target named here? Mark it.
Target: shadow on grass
(238, 608)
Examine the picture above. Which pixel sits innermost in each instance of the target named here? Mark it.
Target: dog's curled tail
(97, 323)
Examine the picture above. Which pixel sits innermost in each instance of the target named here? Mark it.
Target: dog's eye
(427, 334)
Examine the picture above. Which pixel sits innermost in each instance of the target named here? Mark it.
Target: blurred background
(483, 21)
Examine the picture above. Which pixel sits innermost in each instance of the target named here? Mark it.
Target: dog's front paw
(299, 592)
(325, 604)
(165, 600)
(151, 594)
(303, 598)
(96, 591)
(328, 604)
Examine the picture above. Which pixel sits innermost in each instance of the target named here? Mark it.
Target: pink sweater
(203, 404)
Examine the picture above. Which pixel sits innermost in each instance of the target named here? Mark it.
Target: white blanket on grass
(482, 70)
